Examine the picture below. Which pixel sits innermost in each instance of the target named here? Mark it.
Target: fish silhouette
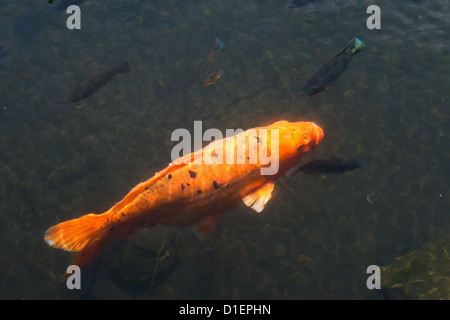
(211, 71)
(329, 73)
(88, 88)
(326, 166)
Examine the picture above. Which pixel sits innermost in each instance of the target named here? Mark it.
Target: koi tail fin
(84, 235)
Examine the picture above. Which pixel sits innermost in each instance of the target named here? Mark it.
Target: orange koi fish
(192, 191)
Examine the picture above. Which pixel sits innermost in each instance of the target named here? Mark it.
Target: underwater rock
(422, 274)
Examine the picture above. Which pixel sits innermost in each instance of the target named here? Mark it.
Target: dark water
(316, 237)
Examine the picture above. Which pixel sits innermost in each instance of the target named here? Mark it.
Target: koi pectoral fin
(206, 225)
(258, 198)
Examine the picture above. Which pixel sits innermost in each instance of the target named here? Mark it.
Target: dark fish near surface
(58, 5)
(331, 165)
(86, 89)
(211, 71)
(330, 71)
(301, 3)
(4, 51)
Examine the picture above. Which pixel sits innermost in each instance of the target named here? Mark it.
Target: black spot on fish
(111, 229)
(258, 139)
(169, 176)
(192, 174)
(146, 188)
(216, 185)
(123, 214)
(199, 191)
(182, 187)
(188, 184)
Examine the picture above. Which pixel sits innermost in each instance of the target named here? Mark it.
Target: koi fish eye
(300, 147)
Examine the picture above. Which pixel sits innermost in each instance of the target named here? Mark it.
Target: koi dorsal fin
(141, 186)
(258, 198)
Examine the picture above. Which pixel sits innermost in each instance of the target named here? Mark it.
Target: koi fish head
(301, 137)
(295, 139)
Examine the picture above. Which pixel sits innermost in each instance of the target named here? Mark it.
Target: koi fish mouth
(312, 137)
(318, 134)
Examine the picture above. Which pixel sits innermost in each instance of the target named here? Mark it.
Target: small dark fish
(4, 52)
(301, 3)
(330, 71)
(86, 89)
(326, 166)
(211, 71)
(58, 5)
